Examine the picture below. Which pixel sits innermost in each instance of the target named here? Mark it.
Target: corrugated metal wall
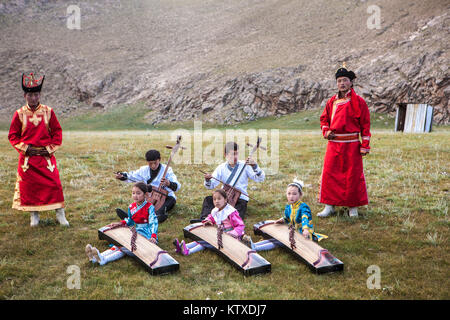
(417, 118)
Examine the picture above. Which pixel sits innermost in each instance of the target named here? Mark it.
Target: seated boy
(152, 174)
(228, 172)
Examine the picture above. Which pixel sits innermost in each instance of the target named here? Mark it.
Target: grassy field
(403, 230)
(125, 117)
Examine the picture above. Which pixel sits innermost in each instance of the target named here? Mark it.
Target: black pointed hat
(343, 72)
(30, 84)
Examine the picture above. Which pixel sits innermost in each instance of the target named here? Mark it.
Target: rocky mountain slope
(225, 61)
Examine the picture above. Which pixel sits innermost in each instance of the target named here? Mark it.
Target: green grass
(118, 118)
(131, 118)
(403, 230)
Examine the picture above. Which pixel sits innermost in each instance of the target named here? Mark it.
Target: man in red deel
(345, 118)
(36, 134)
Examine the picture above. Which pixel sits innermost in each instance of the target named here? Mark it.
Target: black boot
(121, 214)
(162, 217)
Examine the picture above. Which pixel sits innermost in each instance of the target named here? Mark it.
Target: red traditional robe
(342, 181)
(38, 187)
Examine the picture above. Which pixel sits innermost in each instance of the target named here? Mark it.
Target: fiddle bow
(226, 184)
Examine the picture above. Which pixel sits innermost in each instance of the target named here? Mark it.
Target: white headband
(297, 183)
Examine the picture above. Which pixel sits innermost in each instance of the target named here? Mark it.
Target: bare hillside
(224, 61)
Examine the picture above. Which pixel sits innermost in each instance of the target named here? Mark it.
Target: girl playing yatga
(297, 213)
(140, 214)
(222, 214)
